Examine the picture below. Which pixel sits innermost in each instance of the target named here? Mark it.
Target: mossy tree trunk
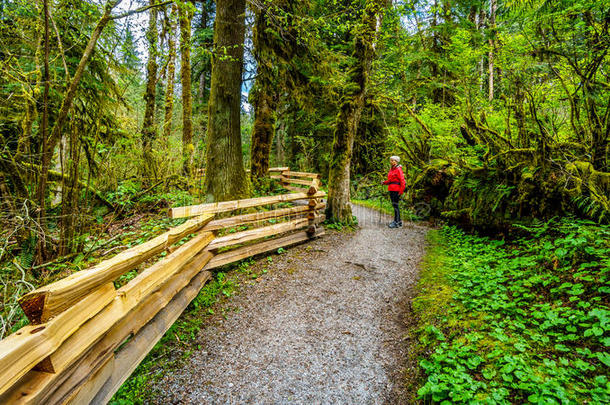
(280, 149)
(70, 193)
(47, 151)
(492, 44)
(204, 62)
(149, 130)
(348, 118)
(171, 74)
(225, 175)
(263, 96)
(186, 14)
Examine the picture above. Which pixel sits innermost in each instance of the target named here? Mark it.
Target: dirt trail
(326, 325)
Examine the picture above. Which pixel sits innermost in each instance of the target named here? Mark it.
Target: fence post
(311, 215)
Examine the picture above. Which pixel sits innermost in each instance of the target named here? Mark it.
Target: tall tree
(186, 14)
(201, 63)
(225, 175)
(348, 118)
(171, 73)
(263, 95)
(47, 152)
(492, 43)
(149, 130)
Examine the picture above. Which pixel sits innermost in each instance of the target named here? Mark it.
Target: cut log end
(45, 365)
(33, 306)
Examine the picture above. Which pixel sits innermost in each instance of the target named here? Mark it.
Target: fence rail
(86, 337)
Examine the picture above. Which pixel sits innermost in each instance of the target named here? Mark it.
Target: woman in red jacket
(396, 186)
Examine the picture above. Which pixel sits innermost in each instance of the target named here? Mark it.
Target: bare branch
(141, 10)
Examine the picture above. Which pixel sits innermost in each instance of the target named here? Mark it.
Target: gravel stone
(325, 325)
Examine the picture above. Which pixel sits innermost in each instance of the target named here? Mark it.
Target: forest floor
(326, 322)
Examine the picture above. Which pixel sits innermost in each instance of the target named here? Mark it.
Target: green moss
(433, 290)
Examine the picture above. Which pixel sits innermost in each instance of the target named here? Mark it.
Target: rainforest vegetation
(112, 111)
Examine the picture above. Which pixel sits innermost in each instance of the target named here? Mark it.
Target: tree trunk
(187, 98)
(44, 130)
(60, 167)
(205, 71)
(280, 149)
(149, 130)
(480, 26)
(171, 74)
(346, 127)
(70, 193)
(225, 175)
(492, 34)
(263, 98)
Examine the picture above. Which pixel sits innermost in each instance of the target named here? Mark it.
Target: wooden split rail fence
(86, 336)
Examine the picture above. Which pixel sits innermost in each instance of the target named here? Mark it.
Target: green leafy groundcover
(527, 321)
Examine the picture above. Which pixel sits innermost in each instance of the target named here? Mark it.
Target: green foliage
(131, 195)
(519, 321)
(340, 226)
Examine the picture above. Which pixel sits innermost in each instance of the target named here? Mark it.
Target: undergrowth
(17, 277)
(522, 322)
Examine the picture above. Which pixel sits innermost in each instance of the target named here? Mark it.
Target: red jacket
(396, 179)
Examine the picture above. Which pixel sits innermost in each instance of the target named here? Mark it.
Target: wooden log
(48, 301)
(275, 176)
(315, 213)
(257, 233)
(225, 206)
(292, 180)
(311, 227)
(301, 174)
(278, 169)
(255, 217)
(127, 298)
(299, 190)
(262, 247)
(314, 187)
(27, 347)
(129, 356)
(283, 184)
(93, 384)
(315, 203)
(311, 216)
(44, 388)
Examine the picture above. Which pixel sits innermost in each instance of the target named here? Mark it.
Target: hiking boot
(393, 224)
(399, 224)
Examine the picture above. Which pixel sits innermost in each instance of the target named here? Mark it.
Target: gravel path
(326, 325)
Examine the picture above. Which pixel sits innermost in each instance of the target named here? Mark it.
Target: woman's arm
(388, 180)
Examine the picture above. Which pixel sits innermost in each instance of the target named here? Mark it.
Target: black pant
(395, 197)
